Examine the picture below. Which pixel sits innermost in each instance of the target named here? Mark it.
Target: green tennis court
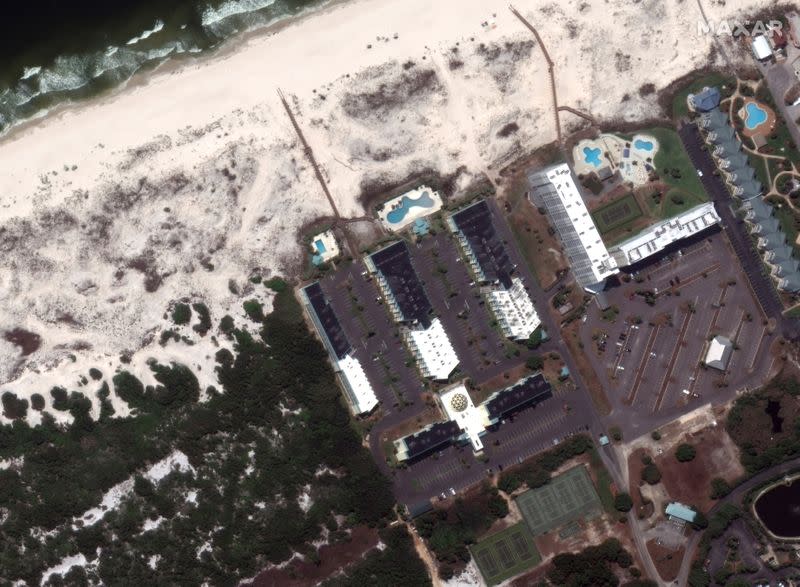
(616, 213)
(506, 554)
(567, 498)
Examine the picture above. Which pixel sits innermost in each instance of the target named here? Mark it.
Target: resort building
(743, 183)
(399, 212)
(659, 236)
(324, 247)
(762, 50)
(718, 353)
(459, 408)
(426, 441)
(433, 351)
(466, 423)
(682, 513)
(704, 101)
(358, 389)
(555, 190)
(491, 264)
(524, 393)
(410, 307)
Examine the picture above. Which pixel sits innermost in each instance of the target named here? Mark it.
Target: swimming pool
(320, 246)
(755, 116)
(643, 145)
(592, 156)
(423, 201)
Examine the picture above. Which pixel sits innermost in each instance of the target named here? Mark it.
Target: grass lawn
(779, 141)
(676, 170)
(604, 482)
(617, 213)
(505, 554)
(759, 165)
(679, 107)
(793, 313)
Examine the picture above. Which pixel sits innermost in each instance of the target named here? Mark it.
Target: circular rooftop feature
(458, 402)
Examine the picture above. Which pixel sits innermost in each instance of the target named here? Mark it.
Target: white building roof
(459, 408)
(514, 310)
(719, 353)
(588, 255)
(433, 350)
(761, 48)
(657, 237)
(361, 392)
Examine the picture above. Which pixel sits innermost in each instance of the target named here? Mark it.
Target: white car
(700, 173)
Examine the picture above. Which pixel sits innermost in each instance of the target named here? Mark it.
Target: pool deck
(765, 127)
(619, 154)
(414, 212)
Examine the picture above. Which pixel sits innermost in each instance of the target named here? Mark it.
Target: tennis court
(568, 497)
(616, 213)
(505, 554)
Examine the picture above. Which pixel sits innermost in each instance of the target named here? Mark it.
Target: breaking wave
(38, 88)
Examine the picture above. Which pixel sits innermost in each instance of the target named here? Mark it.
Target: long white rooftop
(658, 236)
(590, 260)
(433, 350)
(514, 309)
(361, 391)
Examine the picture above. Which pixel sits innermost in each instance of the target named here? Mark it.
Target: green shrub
(623, 502)
(685, 453)
(651, 474)
(37, 402)
(181, 313)
(534, 363)
(276, 284)
(254, 310)
(719, 488)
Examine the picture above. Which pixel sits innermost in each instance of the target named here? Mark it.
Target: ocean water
(55, 51)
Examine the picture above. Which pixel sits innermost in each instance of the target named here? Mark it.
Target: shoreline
(189, 178)
(171, 66)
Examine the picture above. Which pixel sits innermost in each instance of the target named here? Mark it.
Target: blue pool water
(423, 201)
(320, 246)
(643, 145)
(592, 156)
(755, 116)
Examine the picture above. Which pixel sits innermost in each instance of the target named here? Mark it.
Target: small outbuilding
(718, 353)
(761, 48)
(680, 512)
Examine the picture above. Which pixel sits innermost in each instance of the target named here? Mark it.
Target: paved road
(734, 497)
(737, 232)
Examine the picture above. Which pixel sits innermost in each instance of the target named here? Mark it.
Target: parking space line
(757, 352)
(673, 359)
(643, 363)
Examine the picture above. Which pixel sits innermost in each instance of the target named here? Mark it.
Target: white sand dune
(192, 178)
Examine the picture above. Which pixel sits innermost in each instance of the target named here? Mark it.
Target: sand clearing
(191, 179)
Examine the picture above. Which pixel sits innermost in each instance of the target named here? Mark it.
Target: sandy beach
(192, 179)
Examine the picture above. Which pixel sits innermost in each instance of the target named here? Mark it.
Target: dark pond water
(773, 409)
(779, 509)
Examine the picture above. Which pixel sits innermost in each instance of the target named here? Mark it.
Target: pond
(774, 409)
(779, 509)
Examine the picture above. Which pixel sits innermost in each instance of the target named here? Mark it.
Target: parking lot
(530, 432)
(484, 355)
(649, 358)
